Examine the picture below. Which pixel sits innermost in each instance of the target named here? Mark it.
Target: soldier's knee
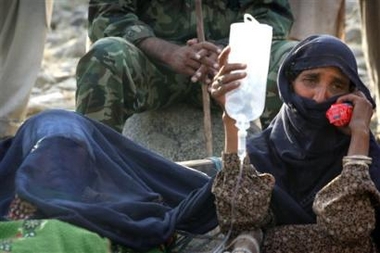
(113, 53)
(110, 43)
(106, 57)
(112, 47)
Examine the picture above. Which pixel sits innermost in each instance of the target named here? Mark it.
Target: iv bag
(250, 43)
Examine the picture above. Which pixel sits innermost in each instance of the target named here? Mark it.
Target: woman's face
(320, 84)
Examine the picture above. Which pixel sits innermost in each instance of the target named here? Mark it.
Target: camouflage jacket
(175, 20)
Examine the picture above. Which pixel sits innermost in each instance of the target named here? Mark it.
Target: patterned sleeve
(237, 194)
(345, 207)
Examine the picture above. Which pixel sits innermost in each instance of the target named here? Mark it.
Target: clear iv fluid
(247, 102)
(250, 43)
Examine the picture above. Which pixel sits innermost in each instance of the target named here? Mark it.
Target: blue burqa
(82, 172)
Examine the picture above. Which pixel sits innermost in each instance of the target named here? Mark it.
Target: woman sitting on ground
(313, 187)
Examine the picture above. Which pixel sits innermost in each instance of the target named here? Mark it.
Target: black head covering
(315, 52)
(300, 148)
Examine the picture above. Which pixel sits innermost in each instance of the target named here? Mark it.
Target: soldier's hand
(208, 60)
(195, 59)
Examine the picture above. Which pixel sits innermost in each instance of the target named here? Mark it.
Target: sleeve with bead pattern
(345, 208)
(242, 197)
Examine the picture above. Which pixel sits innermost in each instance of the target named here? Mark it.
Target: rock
(177, 132)
(68, 84)
(72, 49)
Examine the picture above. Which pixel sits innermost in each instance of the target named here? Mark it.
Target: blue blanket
(80, 171)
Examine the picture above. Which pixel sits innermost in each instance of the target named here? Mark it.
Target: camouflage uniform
(115, 79)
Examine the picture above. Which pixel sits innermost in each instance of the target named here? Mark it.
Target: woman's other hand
(359, 126)
(227, 79)
(361, 114)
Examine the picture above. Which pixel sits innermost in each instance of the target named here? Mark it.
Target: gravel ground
(65, 44)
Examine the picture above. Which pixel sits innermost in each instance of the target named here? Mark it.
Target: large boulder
(176, 132)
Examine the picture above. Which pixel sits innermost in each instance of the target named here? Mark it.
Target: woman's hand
(361, 114)
(359, 126)
(227, 79)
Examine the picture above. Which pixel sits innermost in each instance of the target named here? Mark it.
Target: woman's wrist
(230, 132)
(359, 144)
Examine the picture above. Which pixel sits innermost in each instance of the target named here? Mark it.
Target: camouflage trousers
(115, 80)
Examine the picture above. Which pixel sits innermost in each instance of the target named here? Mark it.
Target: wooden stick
(205, 95)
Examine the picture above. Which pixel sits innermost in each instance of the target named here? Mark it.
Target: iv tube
(242, 124)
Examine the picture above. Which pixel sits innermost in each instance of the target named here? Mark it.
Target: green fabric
(54, 236)
(49, 236)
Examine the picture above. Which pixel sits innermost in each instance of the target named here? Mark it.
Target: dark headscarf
(300, 148)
